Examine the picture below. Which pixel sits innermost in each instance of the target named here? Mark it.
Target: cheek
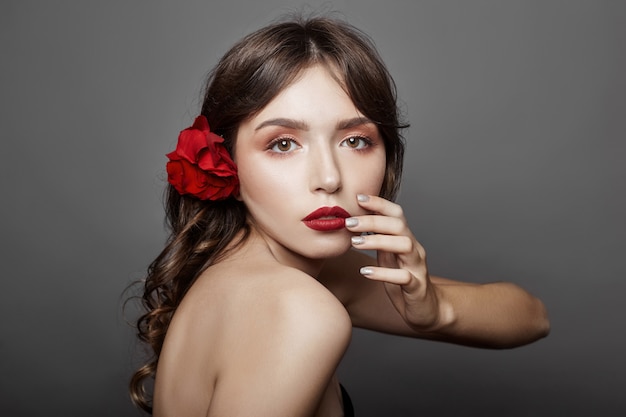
(378, 179)
(261, 181)
(371, 175)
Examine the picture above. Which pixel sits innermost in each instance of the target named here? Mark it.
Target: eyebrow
(283, 122)
(354, 122)
(302, 125)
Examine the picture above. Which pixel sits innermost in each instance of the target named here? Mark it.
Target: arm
(400, 297)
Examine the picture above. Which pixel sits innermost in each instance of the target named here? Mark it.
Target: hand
(401, 262)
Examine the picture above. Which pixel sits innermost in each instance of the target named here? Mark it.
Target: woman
(293, 161)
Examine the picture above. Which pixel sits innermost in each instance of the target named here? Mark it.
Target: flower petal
(201, 166)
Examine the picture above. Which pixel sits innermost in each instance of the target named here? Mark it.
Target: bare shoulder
(260, 331)
(234, 299)
(269, 298)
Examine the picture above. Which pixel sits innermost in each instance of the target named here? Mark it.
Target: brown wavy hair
(245, 80)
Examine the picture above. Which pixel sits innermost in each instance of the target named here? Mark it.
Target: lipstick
(325, 219)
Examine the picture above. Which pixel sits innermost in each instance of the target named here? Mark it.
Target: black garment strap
(348, 409)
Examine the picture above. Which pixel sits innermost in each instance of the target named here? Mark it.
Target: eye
(356, 142)
(283, 145)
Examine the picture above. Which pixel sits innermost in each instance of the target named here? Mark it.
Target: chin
(326, 249)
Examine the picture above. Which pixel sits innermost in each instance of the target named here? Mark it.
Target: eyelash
(367, 143)
(272, 144)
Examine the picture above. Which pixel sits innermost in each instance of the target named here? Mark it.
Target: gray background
(515, 171)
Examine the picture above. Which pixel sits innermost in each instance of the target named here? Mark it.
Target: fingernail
(366, 270)
(351, 222)
(362, 198)
(357, 240)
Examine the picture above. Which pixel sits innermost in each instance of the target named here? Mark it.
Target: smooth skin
(400, 297)
(262, 332)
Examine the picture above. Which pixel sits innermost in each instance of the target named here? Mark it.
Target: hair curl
(245, 80)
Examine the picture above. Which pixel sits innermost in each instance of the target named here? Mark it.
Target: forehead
(316, 92)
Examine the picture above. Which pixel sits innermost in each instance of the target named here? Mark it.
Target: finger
(395, 276)
(393, 244)
(377, 224)
(397, 245)
(380, 205)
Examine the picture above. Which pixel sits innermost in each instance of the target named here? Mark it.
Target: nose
(324, 171)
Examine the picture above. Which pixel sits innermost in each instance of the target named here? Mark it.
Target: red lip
(327, 218)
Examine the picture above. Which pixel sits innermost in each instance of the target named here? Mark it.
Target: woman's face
(302, 160)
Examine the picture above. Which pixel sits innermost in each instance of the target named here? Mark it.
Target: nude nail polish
(357, 240)
(351, 222)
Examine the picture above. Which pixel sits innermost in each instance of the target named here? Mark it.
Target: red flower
(201, 166)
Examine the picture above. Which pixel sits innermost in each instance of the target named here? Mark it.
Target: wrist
(444, 317)
(446, 314)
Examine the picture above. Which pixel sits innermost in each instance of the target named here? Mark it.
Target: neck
(287, 257)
